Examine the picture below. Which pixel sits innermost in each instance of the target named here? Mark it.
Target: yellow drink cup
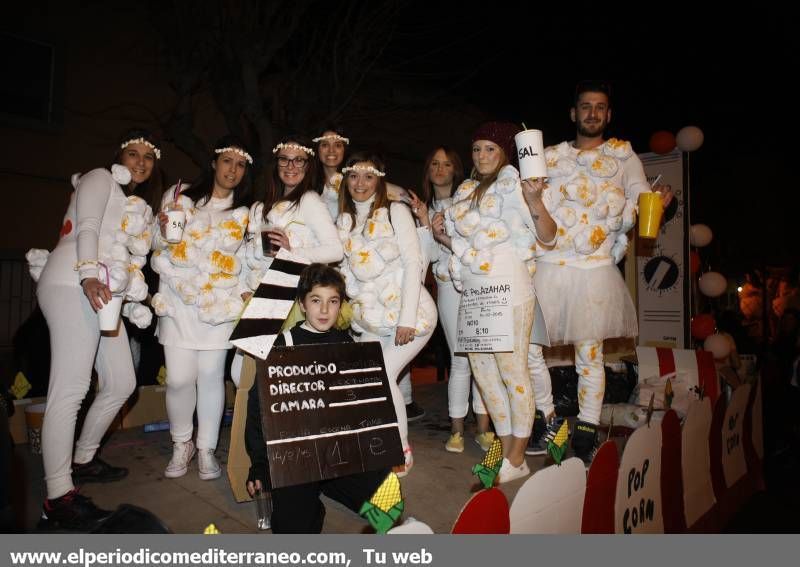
(651, 209)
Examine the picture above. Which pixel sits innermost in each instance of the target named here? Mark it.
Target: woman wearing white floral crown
(293, 215)
(442, 174)
(104, 240)
(331, 151)
(201, 290)
(494, 225)
(383, 269)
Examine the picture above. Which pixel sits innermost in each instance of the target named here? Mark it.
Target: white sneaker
(207, 464)
(182, 453)
(509, 472)
(264, 523)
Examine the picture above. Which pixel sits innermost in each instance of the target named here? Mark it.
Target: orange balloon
(662, 142)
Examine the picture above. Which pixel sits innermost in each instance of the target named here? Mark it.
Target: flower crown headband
(333, 137)
(150, 145)
(364, 169)
(281, 146)
(237, 151)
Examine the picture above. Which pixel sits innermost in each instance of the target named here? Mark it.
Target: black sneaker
(97, 470)
(414, 412)
(71, 512)
(584, 441)
(537, 432)
(547, 432)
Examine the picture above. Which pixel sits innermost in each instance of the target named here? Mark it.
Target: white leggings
(540, 380)
(76, 346)
(405, 386)
(460, 377)
(396, 358)
(195, 379)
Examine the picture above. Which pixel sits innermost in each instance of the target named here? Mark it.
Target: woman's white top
(439, 253)
(308, 226)
(101, 225)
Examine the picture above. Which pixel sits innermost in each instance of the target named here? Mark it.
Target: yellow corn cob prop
(385, 506)
(211, 529)
(20, 387)
(162, 376)
(668, 394)
(489, 467)
(558, 446)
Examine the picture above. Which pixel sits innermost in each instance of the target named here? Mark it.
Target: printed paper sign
(485, 317)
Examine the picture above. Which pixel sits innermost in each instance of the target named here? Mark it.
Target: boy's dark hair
(590, 86)
(320, 275)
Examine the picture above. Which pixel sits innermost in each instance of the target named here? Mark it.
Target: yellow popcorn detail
(178, 250)
(222, 261)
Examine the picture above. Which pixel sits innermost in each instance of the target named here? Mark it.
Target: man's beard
(592, 130)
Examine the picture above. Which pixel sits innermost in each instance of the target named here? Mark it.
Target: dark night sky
(671, 67)
(725, 73)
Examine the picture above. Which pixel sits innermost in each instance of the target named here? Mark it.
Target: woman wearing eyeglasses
(293, 216)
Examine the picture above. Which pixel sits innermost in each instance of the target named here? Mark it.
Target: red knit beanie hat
(502, 134)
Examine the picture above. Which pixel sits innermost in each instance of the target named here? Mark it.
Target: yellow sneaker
(485, 440)
(456, 443)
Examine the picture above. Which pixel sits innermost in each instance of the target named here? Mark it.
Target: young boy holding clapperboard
(297, 509)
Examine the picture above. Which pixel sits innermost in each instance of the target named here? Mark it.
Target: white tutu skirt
(583, 304)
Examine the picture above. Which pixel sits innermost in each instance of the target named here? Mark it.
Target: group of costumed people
(556, 239)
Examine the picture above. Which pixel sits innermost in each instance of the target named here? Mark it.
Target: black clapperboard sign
(326, 412)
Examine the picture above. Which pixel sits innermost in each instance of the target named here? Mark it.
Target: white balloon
(700, 235)
(712, 284)
(689, 138)
(718, 345)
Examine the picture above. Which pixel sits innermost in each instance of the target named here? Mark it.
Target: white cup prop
(108, 316)
(530, 152)
(176, 220)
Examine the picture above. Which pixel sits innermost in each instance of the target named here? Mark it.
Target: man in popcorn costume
(592, 192)
(104, 240)
(202, 285)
